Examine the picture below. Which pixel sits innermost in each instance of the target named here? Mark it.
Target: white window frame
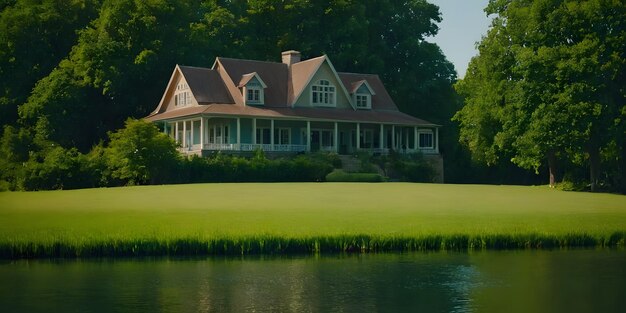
(259, 134)
(419, 138)
(323, 89)
(368, 101)
(182, 98)
(258, 89)
(278, 135)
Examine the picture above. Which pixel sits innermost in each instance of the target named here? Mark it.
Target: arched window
(323, 93)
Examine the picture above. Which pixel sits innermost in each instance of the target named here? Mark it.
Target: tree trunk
(594, 168)
(552, 168)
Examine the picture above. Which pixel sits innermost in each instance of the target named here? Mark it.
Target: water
(508, 281)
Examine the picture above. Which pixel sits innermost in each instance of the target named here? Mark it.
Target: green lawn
(275, 211)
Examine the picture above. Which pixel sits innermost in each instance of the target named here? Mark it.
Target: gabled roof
(382, 100)
(248, 77)
(356, 85)
(300, 75)
(206, 85)
(217, 91)
(303, 76)
(274, 77)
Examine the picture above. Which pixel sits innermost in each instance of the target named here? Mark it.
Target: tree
(35, 36)
(140, 154)
(545, 85)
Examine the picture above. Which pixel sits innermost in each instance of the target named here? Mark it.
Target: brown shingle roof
(299, 75)
(274, 75)
(217, 95)
(206, 85)
(330, 114)
(382, 100)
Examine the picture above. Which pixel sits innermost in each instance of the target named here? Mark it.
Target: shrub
(140, 154)
(342, 176)
(60, 169)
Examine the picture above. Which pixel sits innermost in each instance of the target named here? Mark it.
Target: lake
(485, 281)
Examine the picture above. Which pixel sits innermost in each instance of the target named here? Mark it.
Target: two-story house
(293, 106)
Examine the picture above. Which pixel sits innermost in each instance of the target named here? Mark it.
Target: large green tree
(34, 36)
(547, 85)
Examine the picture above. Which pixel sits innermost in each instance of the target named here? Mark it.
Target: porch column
(381, 138)
(415, 138)
(405, 134)
(238, 133)
(437, 139)
(191, 137)
(176, 132)
(165, 128)
(184, 133)
(358, 136)
(201, 133)
(393, 137)
(336, 137)
(272, 135)
(254, 131)
(308, 136)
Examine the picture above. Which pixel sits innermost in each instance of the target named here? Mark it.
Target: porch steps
(352, 163)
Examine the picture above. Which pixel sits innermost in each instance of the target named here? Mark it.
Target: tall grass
(282, 245)
(303, 218)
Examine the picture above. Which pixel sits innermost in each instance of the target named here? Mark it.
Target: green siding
(324, 72)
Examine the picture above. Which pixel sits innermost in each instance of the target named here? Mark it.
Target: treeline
(546, 91)
(72, 71)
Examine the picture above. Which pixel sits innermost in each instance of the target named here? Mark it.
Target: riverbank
(254, 218)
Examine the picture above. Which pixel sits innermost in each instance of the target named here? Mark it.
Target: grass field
(303, 217)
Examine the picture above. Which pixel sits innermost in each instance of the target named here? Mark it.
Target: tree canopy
(72, 71)
(548, 86)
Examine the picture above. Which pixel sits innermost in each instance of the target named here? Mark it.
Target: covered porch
(205, 134)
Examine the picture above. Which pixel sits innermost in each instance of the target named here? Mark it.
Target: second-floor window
(182, 98)
(363, 101)
(323, 93)
(254, 95)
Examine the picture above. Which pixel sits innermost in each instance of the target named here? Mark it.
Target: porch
(205, 134)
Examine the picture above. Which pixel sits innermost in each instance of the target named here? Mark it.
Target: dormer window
(362, 95)
(254, 93)
(252, 88)
(363, 101)
(323, 93)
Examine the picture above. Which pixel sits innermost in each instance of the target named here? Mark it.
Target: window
(282, 136)
(323, 93)
(363, 101)
(425, 139)
(263, 136)
(182, 98)
(254, 92)
(254, 95)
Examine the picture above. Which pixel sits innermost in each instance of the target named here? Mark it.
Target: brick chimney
(290, 57)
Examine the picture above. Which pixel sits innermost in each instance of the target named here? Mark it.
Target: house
(293, 106)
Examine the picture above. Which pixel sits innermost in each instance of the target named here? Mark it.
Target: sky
(464, 23)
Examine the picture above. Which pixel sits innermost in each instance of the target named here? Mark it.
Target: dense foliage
(73, 71)
(548, 89)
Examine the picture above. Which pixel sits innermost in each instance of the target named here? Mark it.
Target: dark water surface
(505, 281)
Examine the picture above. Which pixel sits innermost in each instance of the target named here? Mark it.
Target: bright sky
(464, 23)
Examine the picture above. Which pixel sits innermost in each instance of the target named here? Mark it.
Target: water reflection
(515, 281)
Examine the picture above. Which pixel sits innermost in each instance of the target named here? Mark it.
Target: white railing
(253, 147)
(221, 146)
